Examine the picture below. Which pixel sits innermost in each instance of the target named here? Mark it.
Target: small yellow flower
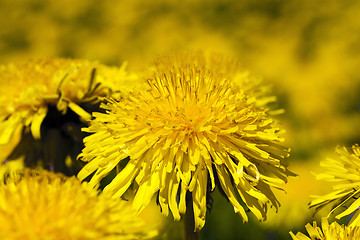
(32, 92)
(334, 231)
(344, 172)
(191, 129)
(45, 205)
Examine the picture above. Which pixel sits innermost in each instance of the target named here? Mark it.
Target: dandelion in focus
(344, 172)
(45, 205)
(334, 231)
(44, 100)
(191, 129)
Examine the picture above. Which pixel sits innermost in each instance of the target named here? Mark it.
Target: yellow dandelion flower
(334, 231)
(344, 173)
(191, 129)
(46, 90)
(45, 205)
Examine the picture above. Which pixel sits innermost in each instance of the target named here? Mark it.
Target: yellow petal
(123, 180)
(146, 191)
(228, 189)
(37, 121)
(355, 205)
(172, 195)
(84, 115)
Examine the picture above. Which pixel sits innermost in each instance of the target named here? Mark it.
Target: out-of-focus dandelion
(191, 129)
(51, 99)
(344, 172)
(334, 231)
(45, 205)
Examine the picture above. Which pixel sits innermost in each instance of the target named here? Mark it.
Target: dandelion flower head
(344, 173)
(190, 129)
(334, 231)
(44, 103)
(27, 90)
(44, 205)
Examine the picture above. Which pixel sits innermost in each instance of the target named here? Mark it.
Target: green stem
(189, 222)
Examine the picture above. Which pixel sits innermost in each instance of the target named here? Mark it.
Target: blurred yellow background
(308, 51)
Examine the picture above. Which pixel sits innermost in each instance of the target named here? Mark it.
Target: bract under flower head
(44, 205)
(344, 172)
(334, 231)
(191, 129)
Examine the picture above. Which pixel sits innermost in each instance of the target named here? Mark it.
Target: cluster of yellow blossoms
(190, 124)
(35, 100)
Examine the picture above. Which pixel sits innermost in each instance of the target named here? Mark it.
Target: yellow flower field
(197, 108)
